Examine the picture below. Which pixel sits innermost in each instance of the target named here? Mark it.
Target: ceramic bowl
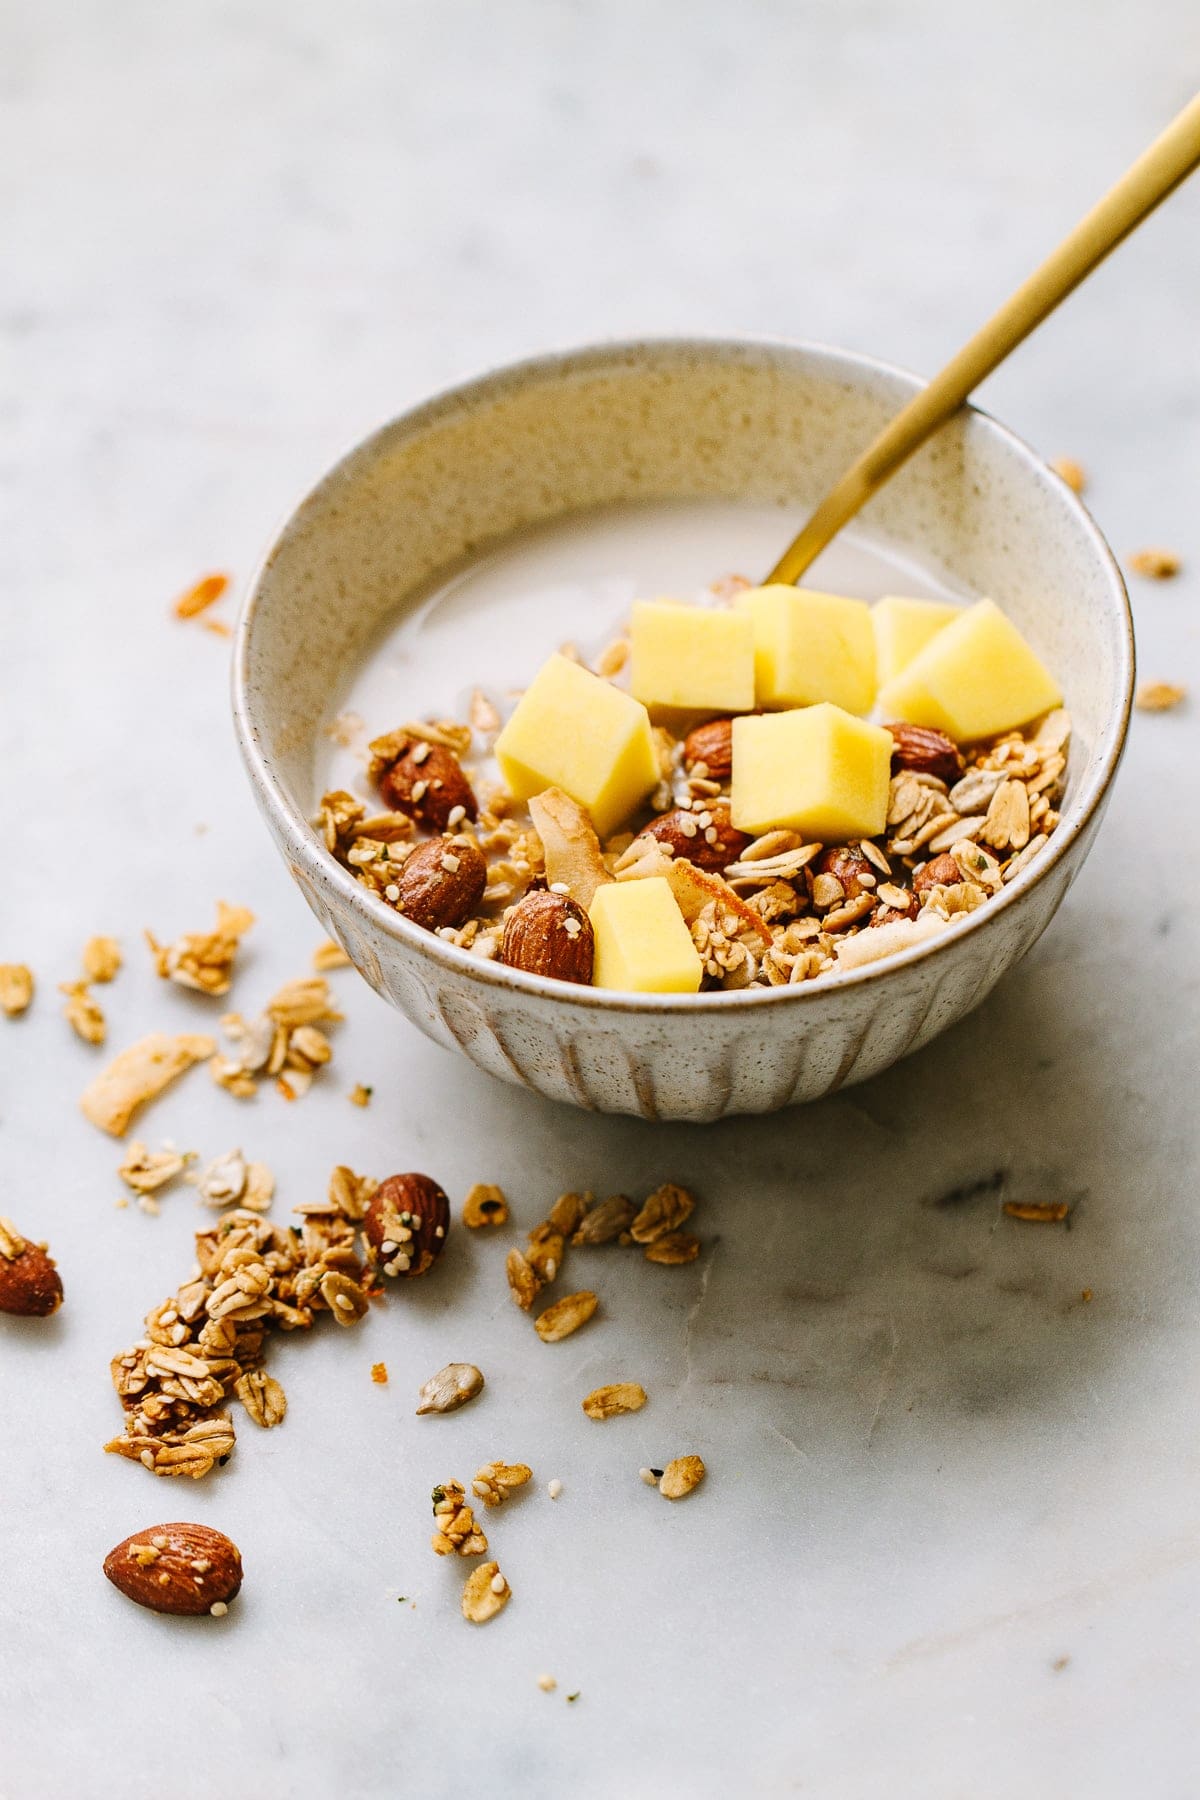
(672, 420)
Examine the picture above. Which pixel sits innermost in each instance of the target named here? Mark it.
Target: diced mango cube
(695, 657)
(903, 628)
(573, 730)
(642, 943)
(819, 771)
(975, 678)
(810, 647)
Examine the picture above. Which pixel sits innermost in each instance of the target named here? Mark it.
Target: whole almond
(847, 865)
(707, 838)
(177, 1568)
(406, 1224)
(943, 871)
(441, 883)
(925, 751)
(30, 1285)
(549, 934)
(426, 781)
(712, 745)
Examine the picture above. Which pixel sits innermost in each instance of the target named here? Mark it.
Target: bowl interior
(663, 422)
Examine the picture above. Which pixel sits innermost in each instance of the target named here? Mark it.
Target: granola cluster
(770, 911)
(208, 1340)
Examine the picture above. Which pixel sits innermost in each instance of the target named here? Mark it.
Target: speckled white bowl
(672, 420)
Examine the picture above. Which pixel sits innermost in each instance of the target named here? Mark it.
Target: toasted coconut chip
(138, 1075)
(570, 844)
(695, 888)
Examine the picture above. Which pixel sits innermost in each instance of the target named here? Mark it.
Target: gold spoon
(1169, 160)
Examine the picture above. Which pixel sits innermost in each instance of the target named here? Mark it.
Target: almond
(177, 1568)
(30, 1285)
(405, 1224)
(847, 865)
(707, 838)
(925, 751)
(427, 782)
(549, 934)
(943, 871)
(712, 746)
(441, 883)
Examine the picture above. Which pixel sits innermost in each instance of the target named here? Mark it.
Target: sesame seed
(559, 887)
(689, 826)
(572, 927)
(455, 817)
(554, 1488)
(391, 891)
(649, 1477)
(710, 836)
(218, 1609)
(419, 791)
(547, 1683)
(160, 1543)
(704, 820)
(497, 1583)
(419, 751)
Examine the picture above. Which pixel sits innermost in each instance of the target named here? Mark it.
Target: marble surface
(948, 1544)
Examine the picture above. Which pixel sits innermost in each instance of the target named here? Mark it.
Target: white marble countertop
(948, 1544)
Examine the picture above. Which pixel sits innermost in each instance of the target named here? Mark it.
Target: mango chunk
(642, 943)
(575, 731)
(810, 647)
(903, 628)
(977, 677)
(695, 657)
(819, 771)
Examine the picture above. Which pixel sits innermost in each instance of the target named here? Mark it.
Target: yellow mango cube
(818, 770)
(642, 943)
(696, 658)
(977, 677)
(903, 628)
(573, 730)
(810, 647)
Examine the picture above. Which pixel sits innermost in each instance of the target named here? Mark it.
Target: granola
(83, 1014)
(144, 1171)
(618, 1397)
(776, 912)
(101, 959)
(16, 989)
(207, 1341)
(496, 1481)
(1158, 696)
(457, 1533)
(203, 960)
(283, 1044)
(485, 1594)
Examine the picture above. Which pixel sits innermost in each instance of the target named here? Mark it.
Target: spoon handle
(1169, 160)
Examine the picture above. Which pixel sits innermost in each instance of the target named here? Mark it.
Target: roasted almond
(441, 883)
(406, 1223)
(712, 746)
(708, 839)
(30, 1285)
(925, 751)
(848, 865)
(549, 934)
(177, 1568)
(943, 871)
(427, 782)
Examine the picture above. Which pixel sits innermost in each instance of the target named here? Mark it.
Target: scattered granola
(203, 1344)
(1158, 696)
(524, 1283)
(283, 1044)
(203, 960)
(1073, 473)
(230, 1180)
(379, 1374)
(662, 1212)
(486, 1593)
(1156, 564)
(606, 1222)
(565, 1316)
(457, 1533)
(673, 1249)
(83, 1014)
(144, 1171)
(450, 1388)
(547, 1683)
(680, 1477)
(329, 956)
(101, 959)
(138, 1075)
(202, 595)
(617, 1397)
(484, 1205)
(360, 1095)
(495, 1481)
(16, 988)
(1038, 1212)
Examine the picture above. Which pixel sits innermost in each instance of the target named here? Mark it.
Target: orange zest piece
(201, 596)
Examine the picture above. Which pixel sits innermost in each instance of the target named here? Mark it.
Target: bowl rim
(305, 846)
